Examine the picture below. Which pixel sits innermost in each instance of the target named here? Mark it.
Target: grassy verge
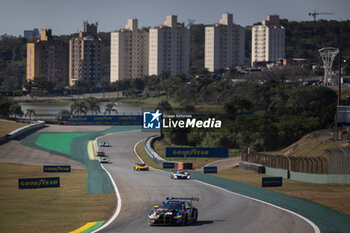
(8, 126)
(334, 196)
(140, 149)
(61, 209)
(159, 147)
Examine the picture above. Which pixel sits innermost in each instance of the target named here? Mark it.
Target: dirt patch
(337, 200)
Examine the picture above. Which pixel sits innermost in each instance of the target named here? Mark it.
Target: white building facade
(129, 52)
(224, 44)
(169, 48)
(268, 40)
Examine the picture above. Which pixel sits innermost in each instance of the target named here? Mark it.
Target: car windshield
(181, 172)
(142, 164)
(171, 206)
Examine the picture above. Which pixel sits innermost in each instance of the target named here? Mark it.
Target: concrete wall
(310, 177)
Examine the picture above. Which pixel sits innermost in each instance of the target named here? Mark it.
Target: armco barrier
(20, 131)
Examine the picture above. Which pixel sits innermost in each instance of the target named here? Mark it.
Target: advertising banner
(199, 152)
(271, 181)
(210, 169)
(59, 168)
(104, 120)
(35, 183)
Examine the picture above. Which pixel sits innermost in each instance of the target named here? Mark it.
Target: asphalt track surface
(219, 211)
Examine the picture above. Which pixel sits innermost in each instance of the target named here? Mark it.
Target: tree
(164, 107)
(237, 104)
(92, 105)
(81, 86)
(15, 109)
(61, 115)
(30, 113)
(111, 107)
(79, 107)
(105, 84)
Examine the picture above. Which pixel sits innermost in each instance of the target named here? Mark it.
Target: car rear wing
(183, 198)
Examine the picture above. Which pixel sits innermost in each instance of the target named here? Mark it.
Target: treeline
(280, 112)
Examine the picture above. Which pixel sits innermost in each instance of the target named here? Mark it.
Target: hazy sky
(66, 16)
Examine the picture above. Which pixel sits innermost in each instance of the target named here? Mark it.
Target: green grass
(60, 142)
(8, 126)
(53, 210)
(334, 196)
(159, 147)
(140, 149)
(311, 145)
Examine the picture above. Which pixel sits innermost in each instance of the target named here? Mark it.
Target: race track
(219, 210)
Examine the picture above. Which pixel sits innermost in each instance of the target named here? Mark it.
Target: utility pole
(340, 61)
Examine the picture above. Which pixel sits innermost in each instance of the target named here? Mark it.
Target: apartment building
(129, 52)
(48, 58)
(85, 57)
(169, 48)
(268, 41)
(224, 44)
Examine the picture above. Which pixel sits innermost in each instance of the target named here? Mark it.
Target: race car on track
(140, 167)
(104, 160)
(100, 153)
(174, 210)
(180, 174)
(104, 144)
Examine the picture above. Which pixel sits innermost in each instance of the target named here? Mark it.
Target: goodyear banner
(104, 120)
(271, 181)
(210, 169)
(194, 152)
(62, 168)
(169, 165)
(35, 183)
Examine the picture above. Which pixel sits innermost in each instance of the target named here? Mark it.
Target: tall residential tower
(224, 44)
(268, 41)
(85, 57)
(48, 58)
(169, 48)
(129, 52)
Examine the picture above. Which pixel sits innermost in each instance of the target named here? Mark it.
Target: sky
(66, 16)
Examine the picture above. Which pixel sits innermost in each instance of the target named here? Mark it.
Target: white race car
(104, 144)
(180, 174)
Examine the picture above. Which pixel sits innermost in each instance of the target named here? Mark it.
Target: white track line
(317, 230)
(313, 225)
(119, 203)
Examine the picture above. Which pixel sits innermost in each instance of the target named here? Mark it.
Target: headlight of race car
(153, 216)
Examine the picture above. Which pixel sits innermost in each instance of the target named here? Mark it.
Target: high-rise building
(268, 40)
(31, 34)
(224, 44)
(48, 58)
(169, 48)
(85, 57)
(129, 52)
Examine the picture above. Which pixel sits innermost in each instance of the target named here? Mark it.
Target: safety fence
(336, 162)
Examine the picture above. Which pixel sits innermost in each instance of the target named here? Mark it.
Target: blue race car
(174, 210)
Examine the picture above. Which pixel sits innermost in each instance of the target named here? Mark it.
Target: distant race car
(104, 160)
(180, 174)
(174, 210)
(100, 153)
(140, 167)
(104, 144)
